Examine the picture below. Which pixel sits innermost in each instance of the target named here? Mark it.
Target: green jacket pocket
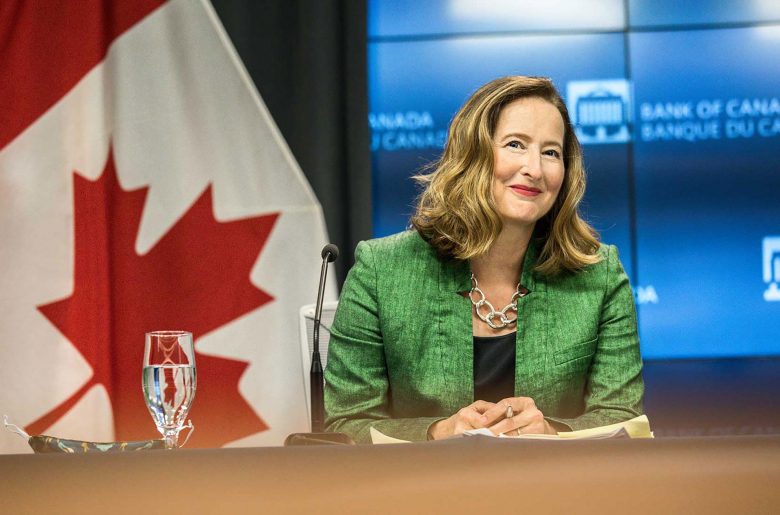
(577, 351)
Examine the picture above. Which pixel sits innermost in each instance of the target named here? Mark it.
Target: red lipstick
(526, 191)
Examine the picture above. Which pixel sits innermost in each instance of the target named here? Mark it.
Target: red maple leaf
(195, 278)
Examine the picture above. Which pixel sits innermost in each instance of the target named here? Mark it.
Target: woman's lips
(526, 191)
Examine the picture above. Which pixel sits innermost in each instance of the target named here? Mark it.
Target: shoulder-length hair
(456, 212)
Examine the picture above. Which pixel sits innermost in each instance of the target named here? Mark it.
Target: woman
(500, 297)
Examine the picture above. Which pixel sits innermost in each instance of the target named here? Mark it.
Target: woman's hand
(470, 417)
(526, 418)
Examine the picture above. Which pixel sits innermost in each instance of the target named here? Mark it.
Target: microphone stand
(317, 382)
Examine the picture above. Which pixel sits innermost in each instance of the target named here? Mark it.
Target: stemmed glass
(169, 381)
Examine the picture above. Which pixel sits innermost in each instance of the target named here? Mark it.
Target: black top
(494, 367)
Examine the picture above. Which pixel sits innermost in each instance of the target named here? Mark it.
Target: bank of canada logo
(600, 110)
(772, 268)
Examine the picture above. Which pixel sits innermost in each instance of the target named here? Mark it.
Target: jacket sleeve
(357, 389)
(614, 388)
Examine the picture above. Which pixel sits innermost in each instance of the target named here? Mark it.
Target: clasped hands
(526, 419)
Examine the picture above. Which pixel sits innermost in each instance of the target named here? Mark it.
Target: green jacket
(401, 347)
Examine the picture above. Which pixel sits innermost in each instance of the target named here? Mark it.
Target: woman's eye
(553, 153)
(515, 144)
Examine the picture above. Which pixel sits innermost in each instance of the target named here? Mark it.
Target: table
(465, 475)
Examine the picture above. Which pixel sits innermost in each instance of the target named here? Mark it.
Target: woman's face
(527, 160)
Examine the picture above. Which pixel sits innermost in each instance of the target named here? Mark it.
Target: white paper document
(638, 427)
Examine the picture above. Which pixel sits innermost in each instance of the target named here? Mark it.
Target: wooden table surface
(466, 475)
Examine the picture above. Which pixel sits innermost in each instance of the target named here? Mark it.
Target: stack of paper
(638, 427)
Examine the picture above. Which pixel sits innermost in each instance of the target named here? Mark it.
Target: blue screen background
(688, 198)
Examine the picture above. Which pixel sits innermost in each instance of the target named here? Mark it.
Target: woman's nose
(533, 164)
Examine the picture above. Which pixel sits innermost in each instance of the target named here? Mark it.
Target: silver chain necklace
(488, 319)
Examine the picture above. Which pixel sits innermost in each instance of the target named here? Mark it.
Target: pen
(509, 414)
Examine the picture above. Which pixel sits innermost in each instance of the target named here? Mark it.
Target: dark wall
(308, 61)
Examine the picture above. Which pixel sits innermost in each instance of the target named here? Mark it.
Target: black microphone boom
(329, 254)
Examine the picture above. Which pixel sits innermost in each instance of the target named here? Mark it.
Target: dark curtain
(308, 60)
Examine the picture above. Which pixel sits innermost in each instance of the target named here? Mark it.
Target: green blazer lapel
(532, 352)
(455, 331)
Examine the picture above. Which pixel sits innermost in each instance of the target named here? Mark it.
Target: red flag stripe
(47, 46)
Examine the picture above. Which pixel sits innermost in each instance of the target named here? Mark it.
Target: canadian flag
(144, 186)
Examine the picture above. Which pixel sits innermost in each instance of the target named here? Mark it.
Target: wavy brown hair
(456, 212)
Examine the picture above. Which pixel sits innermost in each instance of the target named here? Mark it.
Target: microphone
(329, 254)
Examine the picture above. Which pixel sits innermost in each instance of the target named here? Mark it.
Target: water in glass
(169, 381)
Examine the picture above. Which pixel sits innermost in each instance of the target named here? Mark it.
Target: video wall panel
(415, 18)
(707, 168)
(666, 13)
(687, 174)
